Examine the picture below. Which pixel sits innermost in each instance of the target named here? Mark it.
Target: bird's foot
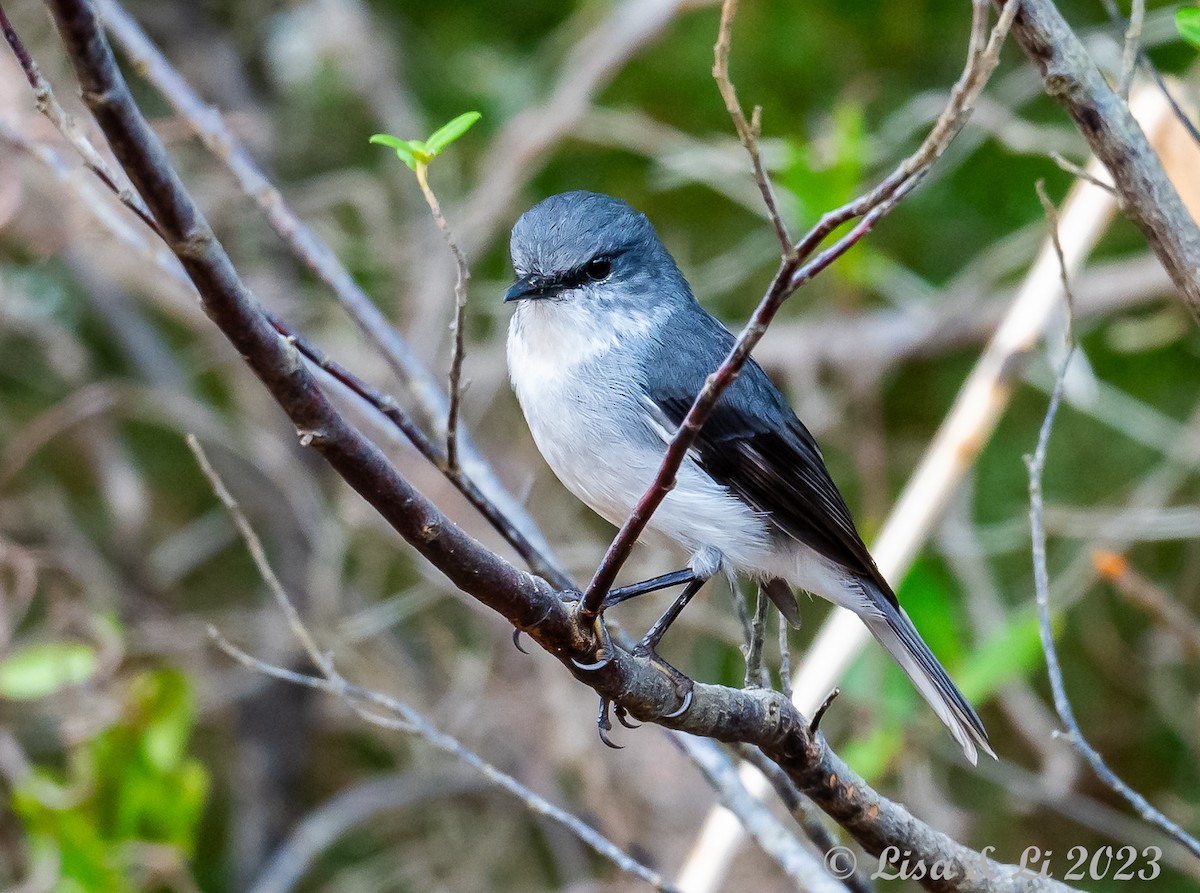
(604, 724)
(684, 686)
(606, 653)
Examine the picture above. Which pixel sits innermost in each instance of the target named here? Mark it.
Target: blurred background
(136, 757)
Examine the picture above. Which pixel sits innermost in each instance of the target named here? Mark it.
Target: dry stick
(1149, 199)
(1062, 704)
(795, 271)
(748, 131)
(761, 718)
(402, 716)
(428, 398)
(460, 314)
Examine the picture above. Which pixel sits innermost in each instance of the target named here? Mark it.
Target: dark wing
(753, 444)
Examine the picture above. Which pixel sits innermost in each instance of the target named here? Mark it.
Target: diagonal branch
(424, 390)
(1071, 77)
(797, 269)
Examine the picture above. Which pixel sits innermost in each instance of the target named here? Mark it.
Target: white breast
(582, 401)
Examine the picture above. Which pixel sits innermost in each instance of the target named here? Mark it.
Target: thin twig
(1041, 575)
(799, 267)
(748, 131)
(1133, 47)
(49, 106)
(397, 715)
(1119, 22)
(1065, 164)
(1062, 704)
(1052, 226)
(460, 315)
(755, 676)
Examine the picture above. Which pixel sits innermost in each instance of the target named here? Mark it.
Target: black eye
(598, 269)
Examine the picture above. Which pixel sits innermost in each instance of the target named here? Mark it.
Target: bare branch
(1070, 76)
(748, 131)
(1062, 703)
(460, 315)
(798, 268)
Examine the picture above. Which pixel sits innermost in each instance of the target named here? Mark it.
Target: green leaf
(36, 671)
(409, 151)
(448, 133)
(1187, 21)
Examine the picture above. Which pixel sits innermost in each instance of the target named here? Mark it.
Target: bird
(607, 349)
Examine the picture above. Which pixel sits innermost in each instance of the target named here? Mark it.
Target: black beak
(530, 287)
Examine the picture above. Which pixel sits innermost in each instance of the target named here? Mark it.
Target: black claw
(517, 641)
(604, 725)
(623, 717)
(682, 709)
(820, 714)
(608, 651)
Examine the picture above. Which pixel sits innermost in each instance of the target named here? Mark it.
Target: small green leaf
(448, 133)
(40, 670)
(404, 150)
(1187, 21)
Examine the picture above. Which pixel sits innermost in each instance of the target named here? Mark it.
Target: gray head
(586, 247)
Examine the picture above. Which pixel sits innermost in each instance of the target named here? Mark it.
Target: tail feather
(895, 632)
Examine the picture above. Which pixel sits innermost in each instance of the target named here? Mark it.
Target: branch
(1062, 703)
(460, 314)
(799, 267)
(423, 388)
(1070, 76)
(398, 716)
(748, 131)
(762, 718)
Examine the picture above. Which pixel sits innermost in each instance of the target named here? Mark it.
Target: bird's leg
(649, 643)
(665, 581)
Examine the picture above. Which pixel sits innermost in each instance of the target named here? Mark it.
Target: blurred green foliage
(129, 788)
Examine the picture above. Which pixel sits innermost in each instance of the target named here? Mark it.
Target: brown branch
(798, 268)
(748, 131)
(387, 406)
(460, 315)
(762, 718)
(427, 396)
(1070, 76)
